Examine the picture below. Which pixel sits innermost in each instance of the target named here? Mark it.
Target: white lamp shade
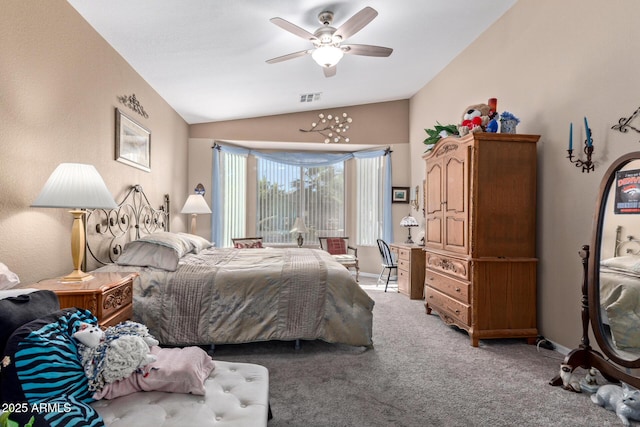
(195, 204)
(327, 56)
(298, 226)
(75, 185)
(408, 221)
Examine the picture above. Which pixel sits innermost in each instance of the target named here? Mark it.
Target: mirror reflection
(619, 275)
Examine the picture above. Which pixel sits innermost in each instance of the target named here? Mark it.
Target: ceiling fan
(327, 40)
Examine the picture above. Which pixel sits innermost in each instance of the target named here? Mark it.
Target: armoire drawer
(457, 289)
(439, 301)
(448, 265)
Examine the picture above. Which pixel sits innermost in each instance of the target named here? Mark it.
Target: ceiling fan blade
(288, 56)
(366, 50)
(356, 23)
(293, 29)
(329, 71)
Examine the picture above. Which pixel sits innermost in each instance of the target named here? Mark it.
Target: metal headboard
(629, 246)
(108, 230)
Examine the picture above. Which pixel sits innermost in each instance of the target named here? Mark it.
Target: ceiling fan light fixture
(327, 56)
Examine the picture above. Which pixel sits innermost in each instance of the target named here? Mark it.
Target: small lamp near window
(78, 187)
(409, 221)
(299, 227)
(195, 204)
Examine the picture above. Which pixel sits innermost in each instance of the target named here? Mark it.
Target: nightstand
(109, 296)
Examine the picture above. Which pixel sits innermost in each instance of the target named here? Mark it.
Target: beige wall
(550, 63)
(59, 83)
(385, 124)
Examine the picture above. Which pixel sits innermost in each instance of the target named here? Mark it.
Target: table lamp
(409, 221)
(299, 227)
(78, 187)
(195, 204)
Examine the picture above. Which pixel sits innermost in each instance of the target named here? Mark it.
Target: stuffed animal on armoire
(475, 119)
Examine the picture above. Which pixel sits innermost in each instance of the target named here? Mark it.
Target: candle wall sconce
(586, 165)
(415, 203)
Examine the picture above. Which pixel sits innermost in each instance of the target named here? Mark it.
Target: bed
(189, 293)
(620, 293)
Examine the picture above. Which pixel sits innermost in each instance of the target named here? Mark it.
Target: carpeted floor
(420, 373)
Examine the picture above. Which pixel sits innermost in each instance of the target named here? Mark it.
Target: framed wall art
(133, 142)
(399, 194)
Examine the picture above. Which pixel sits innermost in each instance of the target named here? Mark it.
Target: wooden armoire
(480, 234)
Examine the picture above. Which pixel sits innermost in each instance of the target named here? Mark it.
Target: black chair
(388, 262)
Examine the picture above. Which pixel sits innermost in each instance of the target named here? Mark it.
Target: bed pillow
(248, 244)
(198, 243)
(628, 264)
(19, 308)
(176, 370)
(159, 250)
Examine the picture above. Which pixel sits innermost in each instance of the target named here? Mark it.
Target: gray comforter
(224, 296)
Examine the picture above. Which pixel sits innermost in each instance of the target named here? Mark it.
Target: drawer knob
(457, 289)
(457, 311)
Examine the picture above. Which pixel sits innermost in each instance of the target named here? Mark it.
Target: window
(286, 192)
(369, 182)
(234, 189)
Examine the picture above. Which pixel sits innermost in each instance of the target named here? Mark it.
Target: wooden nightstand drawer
(109, 296)
(116, 299)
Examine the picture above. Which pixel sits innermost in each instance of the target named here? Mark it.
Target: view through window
(286, 192)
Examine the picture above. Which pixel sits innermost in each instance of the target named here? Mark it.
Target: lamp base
(300, 240)
(76, 276)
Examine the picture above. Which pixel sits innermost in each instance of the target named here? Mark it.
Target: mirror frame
(602, 209)
(613, 367)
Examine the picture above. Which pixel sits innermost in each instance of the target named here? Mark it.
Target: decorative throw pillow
(176, 370)
(336, 246)
(248, 244)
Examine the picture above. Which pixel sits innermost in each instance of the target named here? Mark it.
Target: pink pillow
(336, 246)
(248, 244)
(177, 370)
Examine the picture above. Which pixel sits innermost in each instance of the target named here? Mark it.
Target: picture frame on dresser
(133, 142)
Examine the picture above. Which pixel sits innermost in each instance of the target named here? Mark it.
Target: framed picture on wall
(133, 142)
(627, 186)
(399, 194)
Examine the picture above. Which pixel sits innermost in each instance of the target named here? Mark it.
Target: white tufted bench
(237, 395)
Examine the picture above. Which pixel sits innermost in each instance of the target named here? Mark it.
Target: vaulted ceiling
(207, 58)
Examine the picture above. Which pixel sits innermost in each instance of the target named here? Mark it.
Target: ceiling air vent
(310, 97)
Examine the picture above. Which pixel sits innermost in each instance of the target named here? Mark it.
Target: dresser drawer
(404, 265)
(448, 265)
(404, 254)
(116, 299)
(439, 301)
(452, 287)
(404, 282)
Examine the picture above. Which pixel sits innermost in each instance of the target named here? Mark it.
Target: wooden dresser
(109, 296)
(480, 234)
(410, 260)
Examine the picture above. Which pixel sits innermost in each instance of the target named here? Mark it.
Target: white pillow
(198, 243)
(8, 279)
